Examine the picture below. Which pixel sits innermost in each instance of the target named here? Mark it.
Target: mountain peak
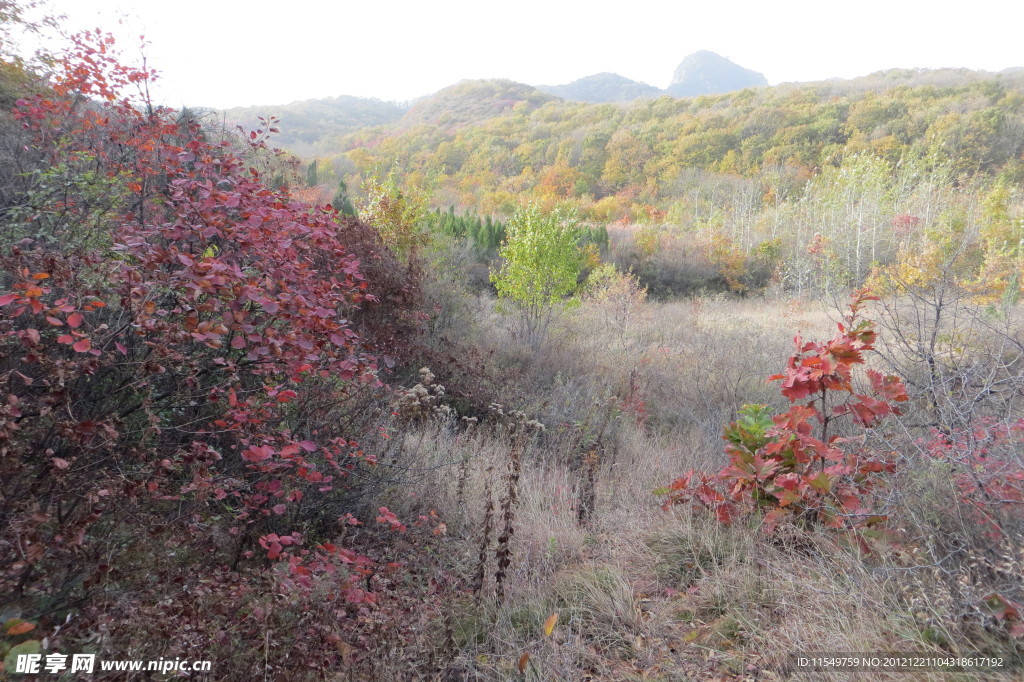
(705, 73)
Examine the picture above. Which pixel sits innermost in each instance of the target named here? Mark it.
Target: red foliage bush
(988, 471)
(793, 466)
(178, 349)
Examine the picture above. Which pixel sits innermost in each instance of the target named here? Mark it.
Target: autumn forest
(500, 385)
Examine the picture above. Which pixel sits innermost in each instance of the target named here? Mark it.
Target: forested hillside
(504, 387)
(811, 185)
(637, 151)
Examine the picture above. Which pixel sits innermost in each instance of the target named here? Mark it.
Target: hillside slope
(602, 87)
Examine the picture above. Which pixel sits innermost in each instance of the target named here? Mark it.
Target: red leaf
(75, 320)
(258, 453)
(83, 346)
(889, 387)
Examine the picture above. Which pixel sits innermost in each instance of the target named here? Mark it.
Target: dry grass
(642, 593)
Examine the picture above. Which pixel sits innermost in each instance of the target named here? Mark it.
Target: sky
(221, 53)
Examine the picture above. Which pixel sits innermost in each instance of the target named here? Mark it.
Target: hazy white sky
(221, 53)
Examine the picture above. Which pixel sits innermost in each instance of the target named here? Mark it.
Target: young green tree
(541, 264)
(343, 202)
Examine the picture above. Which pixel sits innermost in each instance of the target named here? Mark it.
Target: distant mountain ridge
(303, 123)
(307, 125)
(601, 88)
(701, 73)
